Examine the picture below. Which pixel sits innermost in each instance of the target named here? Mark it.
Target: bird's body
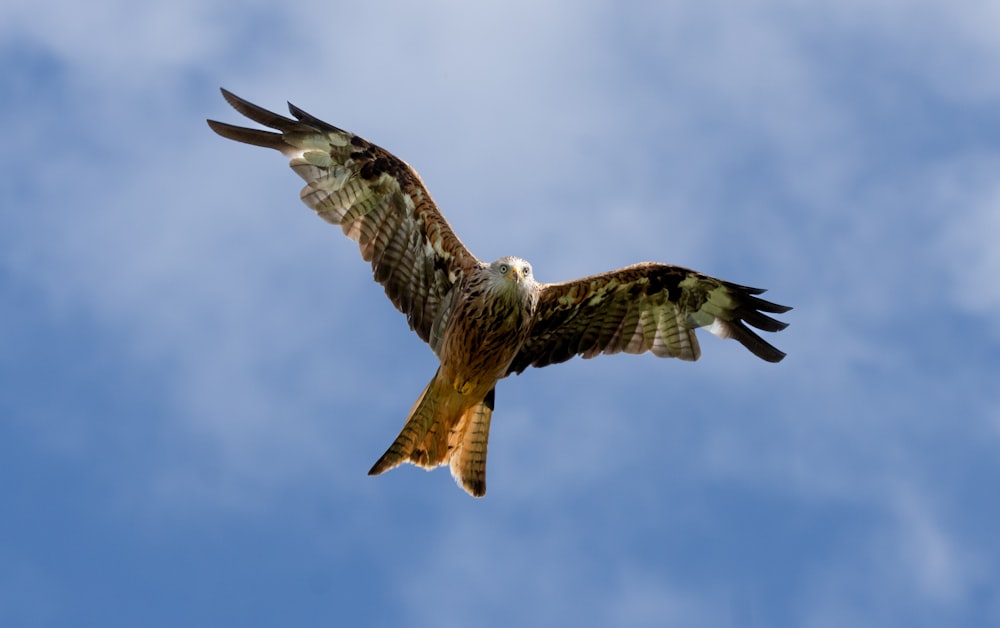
(486, 321)
(502, 299)
(450, 421)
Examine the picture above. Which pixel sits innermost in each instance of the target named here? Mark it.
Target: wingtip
(754, 343)
(231, 98)
(774, 357)
(215, 125)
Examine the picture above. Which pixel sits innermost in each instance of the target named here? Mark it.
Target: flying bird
(485, 321)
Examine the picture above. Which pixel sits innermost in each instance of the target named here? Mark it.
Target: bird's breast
(483, 334)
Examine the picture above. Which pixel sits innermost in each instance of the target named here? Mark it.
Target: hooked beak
(514, 274)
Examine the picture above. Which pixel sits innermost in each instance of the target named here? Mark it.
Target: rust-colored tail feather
(468, 461)
(411, 444)
(442, 429)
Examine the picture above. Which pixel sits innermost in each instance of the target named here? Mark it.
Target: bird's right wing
(377, 199)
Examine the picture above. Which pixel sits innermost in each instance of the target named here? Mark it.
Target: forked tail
(443, 428)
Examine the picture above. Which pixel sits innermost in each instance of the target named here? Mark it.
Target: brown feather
(470, 438)
(645, 307)
(377, 199)
(487, 321)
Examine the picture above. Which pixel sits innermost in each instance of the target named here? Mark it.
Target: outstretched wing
(376, 198)
(645, 307)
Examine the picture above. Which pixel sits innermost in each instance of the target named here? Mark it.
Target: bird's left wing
(645, 307)
(377, 199)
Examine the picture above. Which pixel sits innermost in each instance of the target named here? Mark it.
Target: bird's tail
(468, 459)
(444, 428)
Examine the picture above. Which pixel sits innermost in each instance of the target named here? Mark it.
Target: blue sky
(196, 372)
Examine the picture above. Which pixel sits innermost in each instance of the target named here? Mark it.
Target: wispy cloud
(843, 156)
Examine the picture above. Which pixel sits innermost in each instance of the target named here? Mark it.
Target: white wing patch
(719, 328)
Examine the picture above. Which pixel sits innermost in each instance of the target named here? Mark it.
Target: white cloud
(647, 599)
(726, 138)
(913, 568)
(968, 242)
(928, 553)
(118, 44)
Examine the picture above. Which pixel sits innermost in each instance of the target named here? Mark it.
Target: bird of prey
(485, 321)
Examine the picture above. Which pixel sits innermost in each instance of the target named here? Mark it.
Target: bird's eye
(526, 270)
(504, 269)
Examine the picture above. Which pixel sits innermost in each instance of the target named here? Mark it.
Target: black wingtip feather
(256, 137)
(304, 117)
(754, 343)
(752, 300)
(259, 114)
(751, 311)
(269, 139)
(762, 322)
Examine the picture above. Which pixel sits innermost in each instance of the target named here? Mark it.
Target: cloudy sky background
(196, 372)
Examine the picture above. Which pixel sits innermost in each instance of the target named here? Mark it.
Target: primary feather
(486, 321)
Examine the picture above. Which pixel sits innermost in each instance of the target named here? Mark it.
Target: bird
(486, 321)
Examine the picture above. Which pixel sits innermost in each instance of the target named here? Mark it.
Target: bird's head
(511, 276)
(513, 269)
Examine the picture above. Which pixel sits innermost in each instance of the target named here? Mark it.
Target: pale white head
(512, 273)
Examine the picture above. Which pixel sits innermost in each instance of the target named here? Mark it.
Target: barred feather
(487, 321)
(377, 199)
(645, 307)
